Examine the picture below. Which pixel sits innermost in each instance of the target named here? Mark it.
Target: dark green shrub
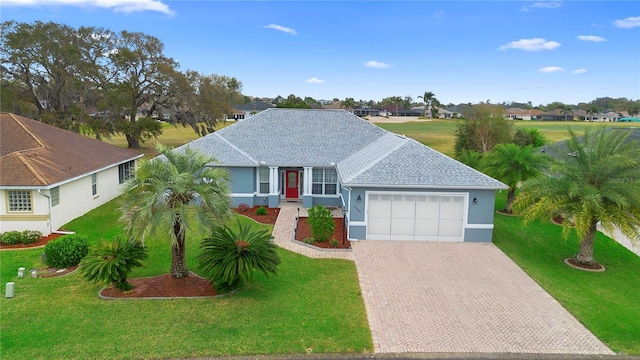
(230, 256)
(11, 238)
(112, 262)
(66, 251)
(309, 241)
(321, 222)
(261, 211)
(334, 243)
(30, 236)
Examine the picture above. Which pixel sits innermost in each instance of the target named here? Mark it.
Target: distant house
(50, 176)
(522, 114)
(365, 111)
(250, 109)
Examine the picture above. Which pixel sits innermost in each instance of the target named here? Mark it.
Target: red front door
(292, 184)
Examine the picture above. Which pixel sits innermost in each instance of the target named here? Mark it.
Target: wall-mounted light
(475, 200)
(359, 198)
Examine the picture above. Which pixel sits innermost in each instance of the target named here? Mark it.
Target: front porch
(305, 185)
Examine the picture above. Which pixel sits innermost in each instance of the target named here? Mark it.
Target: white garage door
(433, 217)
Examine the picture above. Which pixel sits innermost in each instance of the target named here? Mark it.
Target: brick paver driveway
(461, 297)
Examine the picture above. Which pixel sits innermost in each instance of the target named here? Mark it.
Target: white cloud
(628, 23)
(591, 38)
(580, 71)
(551, 69)
(543, 5)
(315, 80)
(281, 28)
(126, 6)
(535, 44)
(376, 64)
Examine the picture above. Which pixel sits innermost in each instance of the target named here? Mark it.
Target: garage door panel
(450, 227)
(427, 227)
(427, 207)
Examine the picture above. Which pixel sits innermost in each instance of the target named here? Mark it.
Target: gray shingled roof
(413, 164)
(364, 153)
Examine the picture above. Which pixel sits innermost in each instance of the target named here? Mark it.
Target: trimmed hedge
(66, 251)
(17, 237)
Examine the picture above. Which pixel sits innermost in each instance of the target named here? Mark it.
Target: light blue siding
(479, 213)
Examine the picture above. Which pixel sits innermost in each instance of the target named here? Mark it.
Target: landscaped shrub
(230, 256)
(334, 243)
(66, 251)
(261, 211)
(30, 236)
(321, 223)
(11, 238)
(112, 262)
(243, 207)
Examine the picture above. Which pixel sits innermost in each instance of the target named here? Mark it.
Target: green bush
(230, 256)
(309, 241)
(11, 238)
(30, 236)
(112, 262)
(261, 211)
(334, 243)
(66, 251)
(321, 222)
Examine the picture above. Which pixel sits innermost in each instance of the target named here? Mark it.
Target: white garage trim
(479, 226)
(423, 216)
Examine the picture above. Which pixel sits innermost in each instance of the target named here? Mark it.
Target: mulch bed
(270, 218)
(303, 231)
(40, 242)
(573, 263)
(163, 286)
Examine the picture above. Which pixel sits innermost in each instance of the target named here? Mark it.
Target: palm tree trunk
(585, 256)
(511, 196)
(179, 268)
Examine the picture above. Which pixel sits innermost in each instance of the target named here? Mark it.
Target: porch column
(273, 180)
(308, 180)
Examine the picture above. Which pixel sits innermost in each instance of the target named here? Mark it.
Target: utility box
(11, 289)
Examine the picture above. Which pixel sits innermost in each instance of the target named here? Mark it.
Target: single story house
(50, 176)
(245, 111)
(389, 186)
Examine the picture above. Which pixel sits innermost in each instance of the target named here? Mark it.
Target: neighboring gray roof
(364, 154)
(253, 106)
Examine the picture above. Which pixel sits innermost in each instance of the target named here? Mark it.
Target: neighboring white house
(50, 176)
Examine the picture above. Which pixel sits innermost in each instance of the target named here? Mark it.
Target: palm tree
(428, 98)
(230, 256)
(513, 164)
(595, 180)
(170, 192)
(347, 103)
(566, 109)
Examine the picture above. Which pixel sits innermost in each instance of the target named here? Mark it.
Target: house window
(94, 184)
(55, 196)
(126, 171)
(263, 180)
(324, 182)
(19, 200)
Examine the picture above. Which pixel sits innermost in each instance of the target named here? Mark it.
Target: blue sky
(463, 51)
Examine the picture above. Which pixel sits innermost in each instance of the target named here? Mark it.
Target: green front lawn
(312, 305)
(607, 303)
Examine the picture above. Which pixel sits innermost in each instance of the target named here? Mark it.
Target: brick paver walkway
(432, 297)
(283, 236)
(461, 297)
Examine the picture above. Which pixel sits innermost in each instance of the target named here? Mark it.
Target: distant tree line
(58, 74)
